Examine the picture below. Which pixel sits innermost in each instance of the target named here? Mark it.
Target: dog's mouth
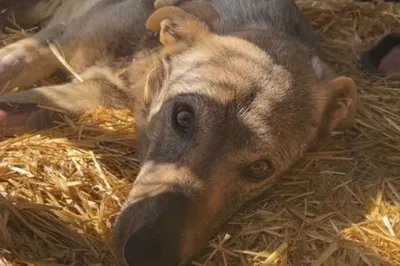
(17, 119)
(16, 115)
(3, 118)
(14, 118)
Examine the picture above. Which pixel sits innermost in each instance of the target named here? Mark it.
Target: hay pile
(60, 189)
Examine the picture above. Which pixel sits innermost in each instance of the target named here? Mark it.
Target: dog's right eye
(260, 170)
(183, 118)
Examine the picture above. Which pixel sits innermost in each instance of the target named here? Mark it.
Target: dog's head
(219, 119)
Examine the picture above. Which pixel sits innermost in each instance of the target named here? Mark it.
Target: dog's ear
(343, 100)
(202, 10)
(178, 29)
(340, 94)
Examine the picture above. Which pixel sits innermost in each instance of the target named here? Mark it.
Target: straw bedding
(60, 189)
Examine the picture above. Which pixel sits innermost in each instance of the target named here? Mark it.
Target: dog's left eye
(183, 118)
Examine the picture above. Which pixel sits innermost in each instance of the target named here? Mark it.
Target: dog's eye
(183, 118)
(260, 169)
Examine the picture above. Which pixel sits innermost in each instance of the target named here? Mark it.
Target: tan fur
(251, 109)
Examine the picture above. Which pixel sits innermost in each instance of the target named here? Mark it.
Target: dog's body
(226, 98)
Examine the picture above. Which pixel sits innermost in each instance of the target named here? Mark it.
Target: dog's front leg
(26, 111)
(29, 60)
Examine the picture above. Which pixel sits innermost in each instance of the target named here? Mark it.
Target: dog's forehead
(226, 67)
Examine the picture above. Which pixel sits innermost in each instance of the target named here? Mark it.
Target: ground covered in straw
(60, 189)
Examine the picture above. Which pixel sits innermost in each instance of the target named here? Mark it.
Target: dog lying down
(226, 95)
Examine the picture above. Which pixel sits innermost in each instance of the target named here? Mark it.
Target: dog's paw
(10, 64)
(14, 57)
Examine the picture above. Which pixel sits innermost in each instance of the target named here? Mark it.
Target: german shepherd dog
(226, 96)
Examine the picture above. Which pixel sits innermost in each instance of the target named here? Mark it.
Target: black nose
(149, 246)
(151, 229)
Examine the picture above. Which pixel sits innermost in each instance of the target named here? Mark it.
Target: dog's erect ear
(178, 29)
(343, 103)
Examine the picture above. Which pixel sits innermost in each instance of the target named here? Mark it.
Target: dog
(227, 96)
